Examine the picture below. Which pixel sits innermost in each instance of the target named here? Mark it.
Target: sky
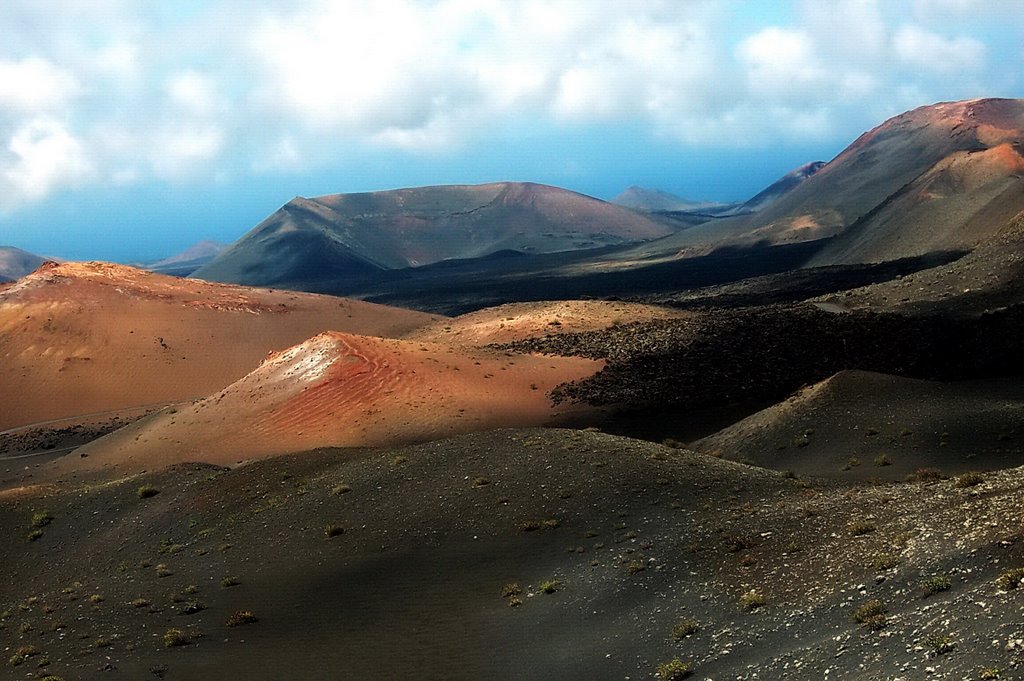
(130, 129)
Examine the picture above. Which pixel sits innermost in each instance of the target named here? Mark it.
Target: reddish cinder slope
(944, 177)
(338, 389)
(79, 338)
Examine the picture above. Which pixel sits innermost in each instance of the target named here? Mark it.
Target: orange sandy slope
(338, 389)
(91, 337)
(520, 321)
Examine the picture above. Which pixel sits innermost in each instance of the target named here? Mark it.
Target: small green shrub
(685, 628)
(240, 617)
(332, 530)
(674, 670)
(174, 638)
(990, 673)
(752, 600)
(510, 590)
(1011, 579)
(882, 460)
(34, 535)
(139, 603)
(550, 586)
(229, 581)
(22, 655)
(869, 609)
(935, 584)
(338, 490)
(885, 561)
(146, 491)
(635, 566)
(940, 644)
(41, 519)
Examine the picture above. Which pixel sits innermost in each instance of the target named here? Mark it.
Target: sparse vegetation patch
(674, 670)
(174, 638)
(146, 492)
(752, 600)
(240, 617)
(686, 628)
(935, 584)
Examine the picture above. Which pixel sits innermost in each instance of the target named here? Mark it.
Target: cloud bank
(112, 92)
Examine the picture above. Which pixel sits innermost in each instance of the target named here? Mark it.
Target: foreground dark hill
(518, 554)
(353, 235)
(861, 425)
(16, 263)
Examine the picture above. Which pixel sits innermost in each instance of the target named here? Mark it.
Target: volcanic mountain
(91, 337)
(188, 261)
(16, 263)
(940, 178)
(776, 190)
(352, 235)
(651, 200)
(338, 389)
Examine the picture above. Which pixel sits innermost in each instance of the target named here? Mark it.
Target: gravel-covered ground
(400, 563)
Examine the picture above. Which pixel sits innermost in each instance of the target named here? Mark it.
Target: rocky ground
(724, 356)
(436, 561)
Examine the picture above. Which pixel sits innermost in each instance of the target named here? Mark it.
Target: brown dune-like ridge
(343, 390)
(521, 321)
(80, 338)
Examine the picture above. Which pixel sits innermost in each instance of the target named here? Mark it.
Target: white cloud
(148, 90)
(41, 157)
(194, 93)
(34, 85)
(179, 152)
(781, 62)
(932, 52)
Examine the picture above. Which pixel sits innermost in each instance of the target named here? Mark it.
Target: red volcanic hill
(344, 235)
(944, 177)
(79, 338)
(338, 389)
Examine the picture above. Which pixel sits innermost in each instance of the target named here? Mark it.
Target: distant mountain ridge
(16, 263)
(650, 200)
(189, 260)
(357, 234)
